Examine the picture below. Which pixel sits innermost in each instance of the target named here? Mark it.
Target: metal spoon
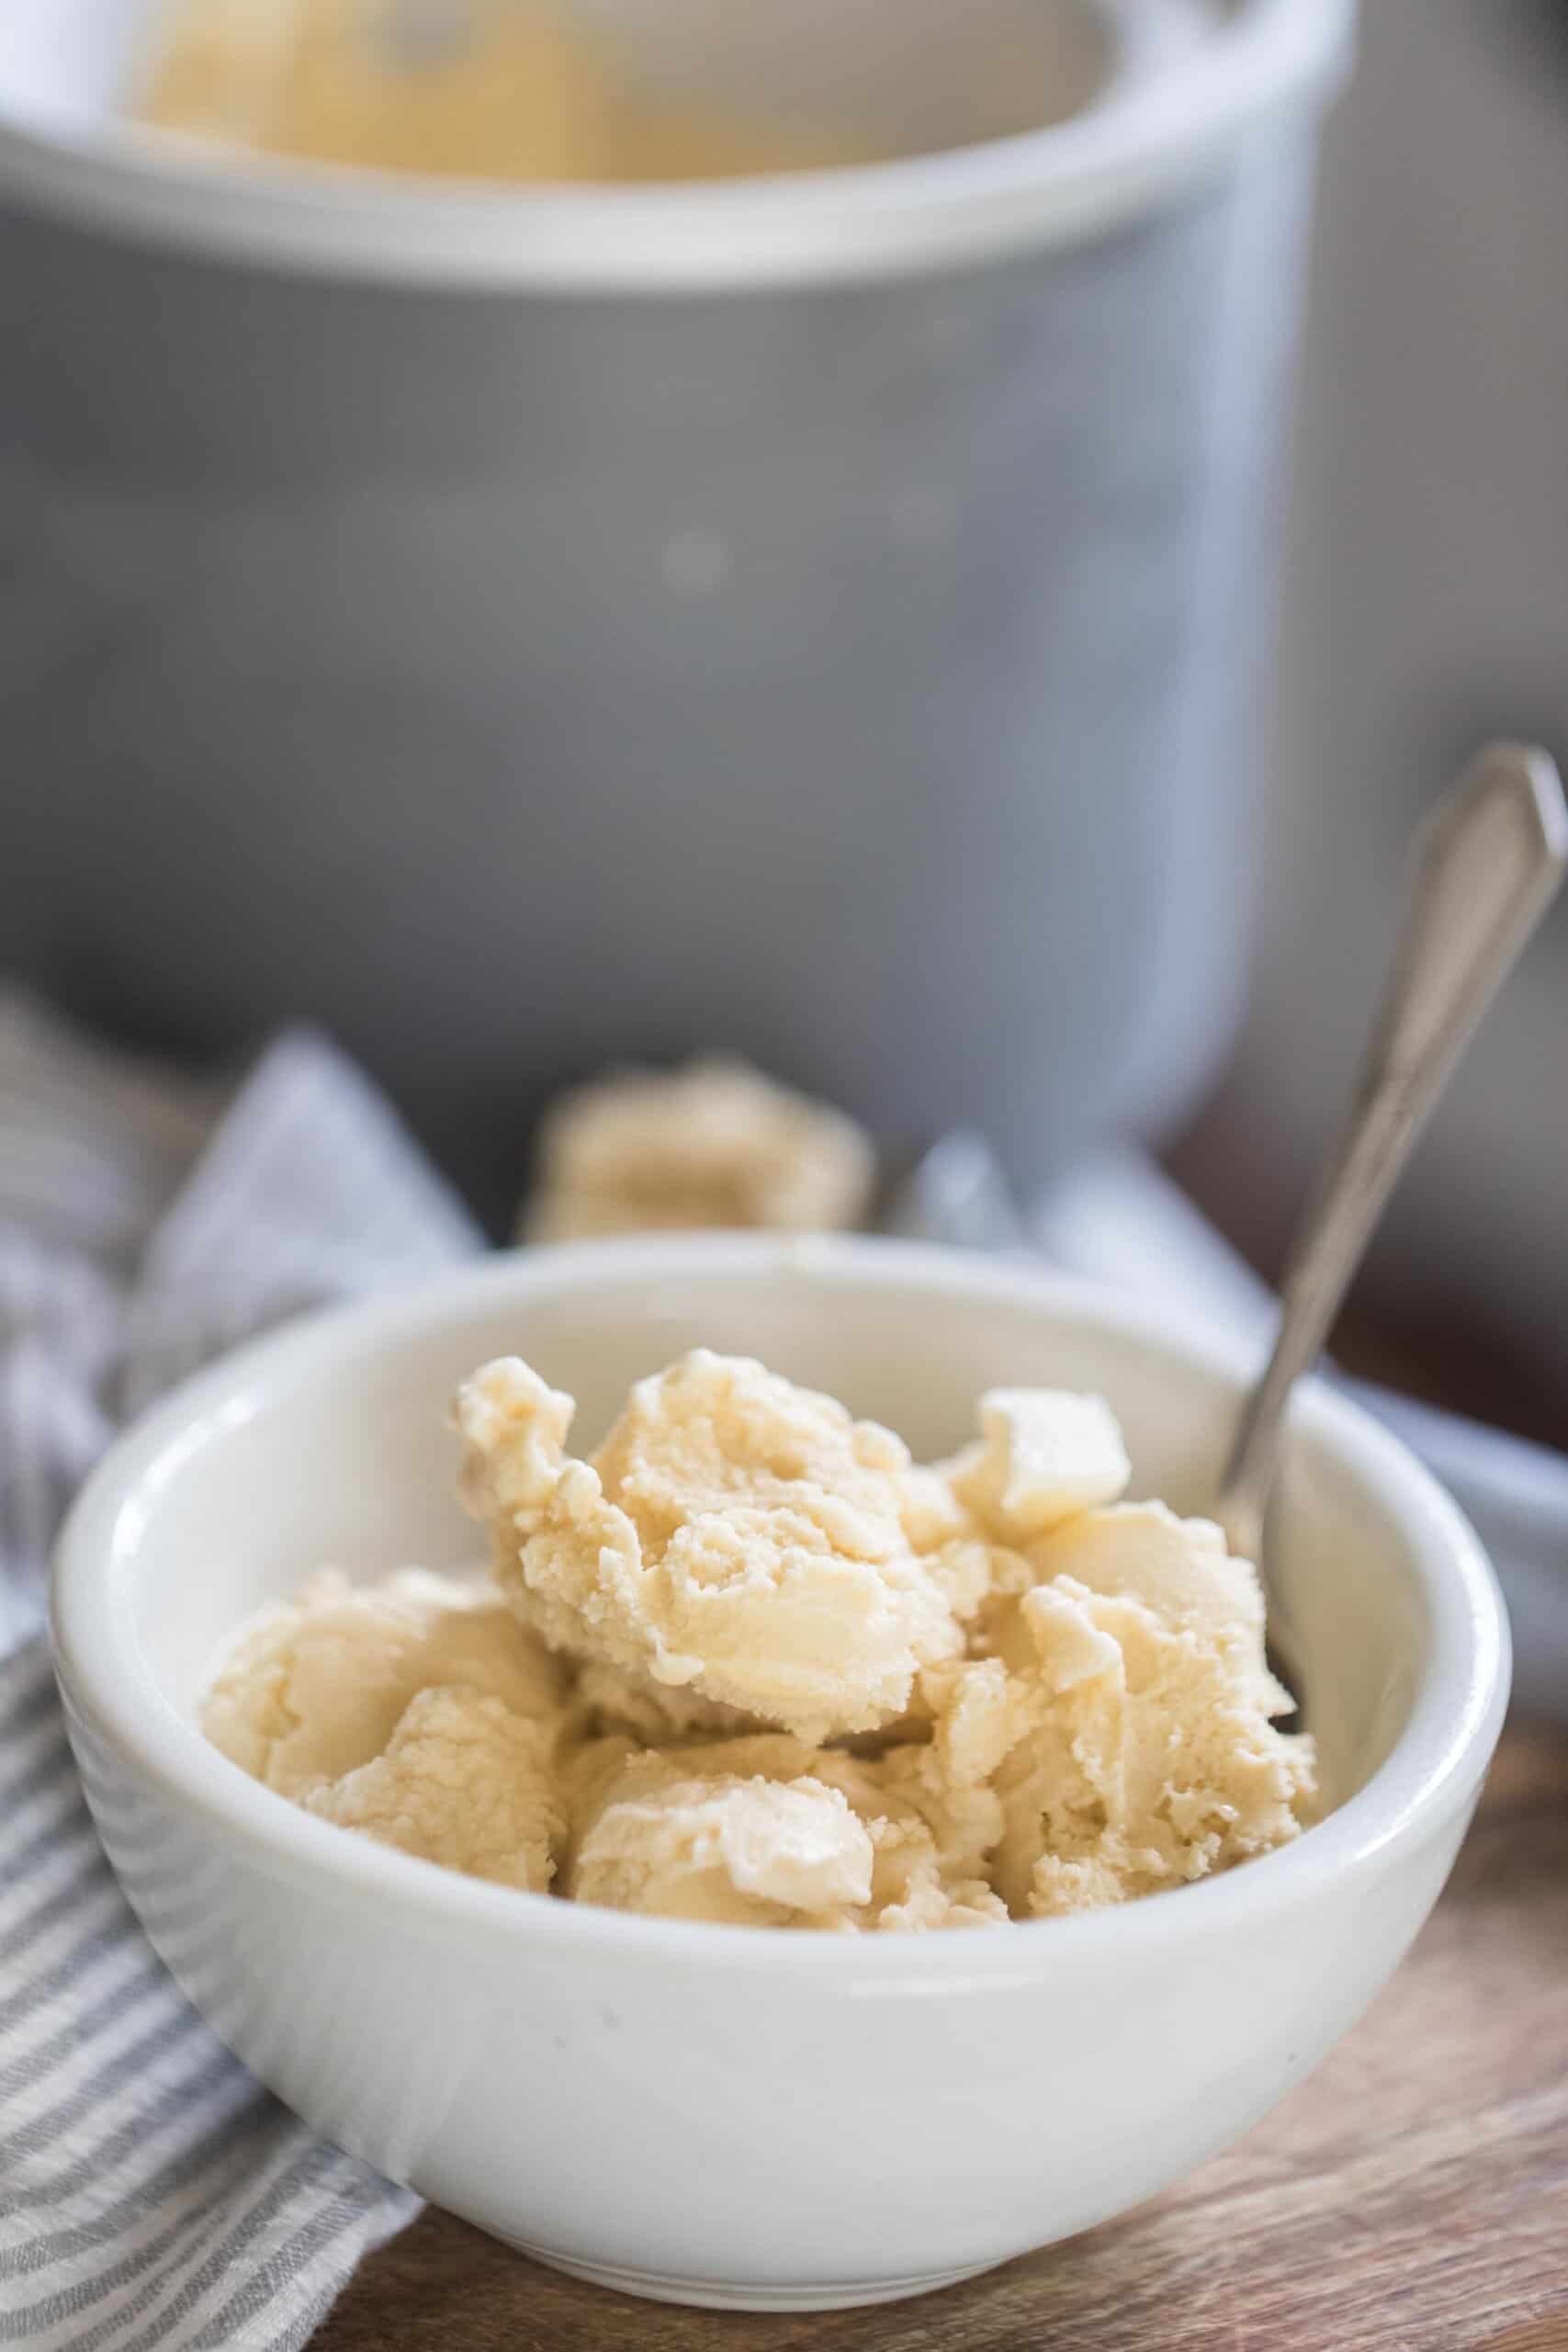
(1488, 863)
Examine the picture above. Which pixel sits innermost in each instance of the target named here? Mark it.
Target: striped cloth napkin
(152, 2194)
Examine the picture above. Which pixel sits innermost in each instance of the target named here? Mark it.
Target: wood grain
(1412, 2197)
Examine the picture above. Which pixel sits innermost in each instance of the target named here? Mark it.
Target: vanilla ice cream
(746, 1662)
(767, 1830)
(463, 1781)
(734, 1536)
(1044, 1456)
(687, 1841)
(318, 1687)
(714, 1144)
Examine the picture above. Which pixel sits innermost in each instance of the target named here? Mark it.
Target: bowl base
(721, 2295)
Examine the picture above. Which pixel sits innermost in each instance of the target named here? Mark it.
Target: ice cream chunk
(749, 1852)
(768, 1832)
(715, 1144)
(1135, 1712)
(463, 1782)
(316, 1687)
(734, 1536)
(1045, 1454)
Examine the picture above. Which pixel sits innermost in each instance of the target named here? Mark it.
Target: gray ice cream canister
(523, 628)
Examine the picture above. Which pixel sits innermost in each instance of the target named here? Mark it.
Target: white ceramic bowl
(722, 2115)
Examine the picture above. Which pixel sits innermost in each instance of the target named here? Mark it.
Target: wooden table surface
(1411, 2197)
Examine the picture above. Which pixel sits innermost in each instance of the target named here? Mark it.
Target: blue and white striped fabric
(152, 2194)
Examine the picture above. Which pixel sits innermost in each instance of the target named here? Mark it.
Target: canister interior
(580, 90)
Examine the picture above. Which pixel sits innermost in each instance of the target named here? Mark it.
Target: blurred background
(806, 561)
(1425, 608)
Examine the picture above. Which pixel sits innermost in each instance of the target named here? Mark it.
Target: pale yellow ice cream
(687, 1842)
(463, 1781)
(747, 1663)
(767, 1831)
(1145, 1754)
(1044, 1456)
(317, 1688)
(734, 1536)
(715, 1144)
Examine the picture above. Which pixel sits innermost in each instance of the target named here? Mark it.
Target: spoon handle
(1487, 864)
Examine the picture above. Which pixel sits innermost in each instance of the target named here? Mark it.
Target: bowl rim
(1149, 140)
(1433, 1770)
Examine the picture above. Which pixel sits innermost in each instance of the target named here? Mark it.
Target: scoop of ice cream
(1045, 1455)
(716, 1144)
(1133, 1714)
(699, 1832)
(463, 1782)
(747, 1852)
(734, 1535)
(317, 1686)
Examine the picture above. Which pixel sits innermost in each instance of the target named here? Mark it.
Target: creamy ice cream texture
(747, 1662)
(714, 1144)
(734, 1537)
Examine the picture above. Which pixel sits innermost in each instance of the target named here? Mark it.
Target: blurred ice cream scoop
(712, 1143)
